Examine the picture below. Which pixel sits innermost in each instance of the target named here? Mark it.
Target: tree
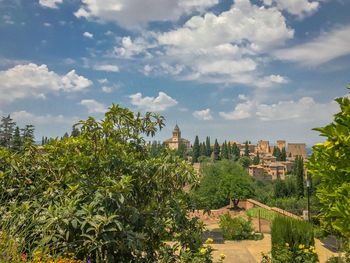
(223, 181)
(235, 152)
(181, 150)
(246, 149)
(299, 172)
(216, 151)
(28, 133)
(195, 150)
(6, 131)
(245, 161)
(330, 163)
(16, 143)
(224, 151)
(283, 154)
(75, 132)
(101, 195)
(202, 150)
(207, 145)
(229, 150)
(256, 159)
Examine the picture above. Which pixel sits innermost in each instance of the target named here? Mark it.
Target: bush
(237, 228)
(286, 230)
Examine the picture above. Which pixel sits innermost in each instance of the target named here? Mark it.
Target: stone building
(256, 171)
(295, 149)
(281, 144)
(174, 141)
(263, 147)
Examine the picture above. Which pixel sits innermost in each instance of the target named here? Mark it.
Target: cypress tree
(224, 151)
(202, 150)
(283, 154)
(256, 160)
(236, 152)
(28, 133)
(216, 150)
(195, 150)
(6, 131)
(17, 140)
(300, 176)
(208, 148)
(246, 149)
(229, 150)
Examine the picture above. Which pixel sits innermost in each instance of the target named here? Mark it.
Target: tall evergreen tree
(299, 170)
(229, 150)
(216, 150)
(274, 153)
(207, 145)
(16, 143)
(202, 150)
(224, 151)
(195, 150)
(28, 133)
(75, 132)
(256, 159)
(6, 131)
(246, 149)
(236, 153)
(283, 154)
(181, 150)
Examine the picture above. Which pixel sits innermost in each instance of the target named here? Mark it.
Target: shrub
(237, 228)
(264, 213)
(286, 230)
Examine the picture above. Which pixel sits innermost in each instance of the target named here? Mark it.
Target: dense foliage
(237, 228)
(222, 181)
(286, 230)
(100, 194)
(330, 162)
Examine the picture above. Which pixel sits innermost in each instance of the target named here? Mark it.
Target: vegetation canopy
(100, 194)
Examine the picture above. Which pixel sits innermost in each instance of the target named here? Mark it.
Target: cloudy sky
(235, 70)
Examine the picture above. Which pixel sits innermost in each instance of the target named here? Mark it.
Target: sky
(232, 70)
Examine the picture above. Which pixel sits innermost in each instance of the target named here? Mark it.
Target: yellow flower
(203, 250)
(287, 245)
(261, 251)
(306, 250)
(327, 143)
(222, 256)
(188, 249)
(209, 240)
(314, 251)
(301, 246)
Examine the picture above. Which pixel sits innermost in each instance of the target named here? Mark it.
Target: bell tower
(176, 133)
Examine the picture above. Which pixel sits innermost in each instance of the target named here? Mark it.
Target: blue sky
(232, 70)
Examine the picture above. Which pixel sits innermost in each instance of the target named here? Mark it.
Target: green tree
(299, 173)
(256, 159)
(202, 150)
(181, 151)
(6, 131)
(16, 143)
(28, 133)
(222, 181)
(101, 195)
(283, 154)
(330, 163)
(207, 145)
(246, 149)
(216, 151)
(229, 150)
(75, 132)
(236, 153)
(195, 150)
(224, 151)
(245, 161)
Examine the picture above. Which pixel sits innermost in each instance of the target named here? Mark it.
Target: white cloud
(93, 106)
(242, 111)
(203, 115)
(102, 81)
(32, 80)
(303, 110)
(158, 104)
(47, 24)
(134, 13)
(326, 47)
(223, 48)
(107, 89)
(24, 117)
(50, 3)
(299, 8)
(107, 67)
(88, 35)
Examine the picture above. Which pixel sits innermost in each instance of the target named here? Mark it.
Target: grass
(264, 213)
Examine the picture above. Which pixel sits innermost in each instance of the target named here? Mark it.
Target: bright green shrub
(264, 213)
(236, 228)
(286, 230)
